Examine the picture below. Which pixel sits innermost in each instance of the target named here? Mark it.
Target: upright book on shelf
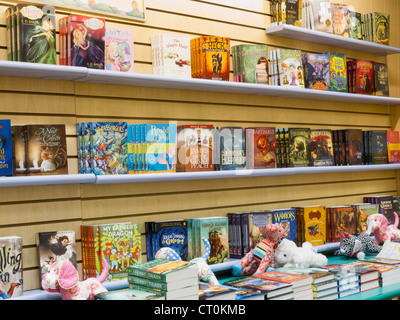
(311, 224)
(292, 68)
(338, 72)
(316, 71)
(119, 51)
(340, 19)
(363, 76)
(322, 148)
(11, 282)
(299, 147)
(231, 148)
(381, 78)
(260, 148)
(381, 28)
(6, 148)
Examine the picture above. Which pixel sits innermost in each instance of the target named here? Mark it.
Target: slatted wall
(24, 211)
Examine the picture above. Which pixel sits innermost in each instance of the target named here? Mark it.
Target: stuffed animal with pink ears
(379, 224)
(62, 277)
(261, 257)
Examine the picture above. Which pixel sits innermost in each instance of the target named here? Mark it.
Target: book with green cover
(254, 63)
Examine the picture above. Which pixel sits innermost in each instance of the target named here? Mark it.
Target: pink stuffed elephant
(379, 224)
(63, 278)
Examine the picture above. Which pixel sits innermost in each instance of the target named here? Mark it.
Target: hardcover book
(393, 146)
(363, 211)
(355, 28)
(364, 76)
(46, 149)
(292, 13)
(381, 28)
(11, 283)
(340, 19)
(108, 142)
(292, 68)
(321, 10)
(338, 72)
(354, 146)
(378, 146)
(260, 148)
(316, 71)
(119, 51)
(55, 246)
(216, 292)
(86, 42)
(381, 79)
(231, 148)
(287, 218)
(36, 34)
(299, 147)
(311, 222)
(6, 148)
(129, 294)
(253, 61)
(322, 148)
(195, 148)
(19, 150)
(342, 219)
(296, 280)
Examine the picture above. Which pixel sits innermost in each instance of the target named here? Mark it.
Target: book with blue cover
(232, 148)
(287, 218)
(6, 156)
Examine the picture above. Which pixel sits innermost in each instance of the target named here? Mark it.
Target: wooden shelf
(292, 32)
(56, 72)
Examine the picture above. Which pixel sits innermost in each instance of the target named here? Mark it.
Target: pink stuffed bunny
(63, 278)
(382, 230)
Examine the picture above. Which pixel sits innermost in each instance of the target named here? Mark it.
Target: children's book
(381, 78)
(55, 246)
(46, 149)
(381, 28)
(378, 146)
(292, 68)
(312, 226)
(129, 294)
(355, 27)
(253, 61)
(6, 148)
(296, 280)
(321, 11)
(340, 19)
(353, 146)
(195, 146)
(119, 51)
(109, 149)
(322, 148)
(364, 77)
(316, 71)
(338, 72)
(291, 13)
(299, 147)
(171, 55)
(86, 41)
(19, 150)
(11, 283)
(36, 32)
(231, 148)
(342, 219)
(393, 146)
(286, 218)
(260, 147)
(216, 292)
(363, 211)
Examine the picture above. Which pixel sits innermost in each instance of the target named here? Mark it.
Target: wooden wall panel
(27, 210)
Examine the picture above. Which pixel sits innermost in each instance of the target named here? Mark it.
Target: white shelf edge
(57, 72)
(180, 176)
(62, 179)
(298, 33)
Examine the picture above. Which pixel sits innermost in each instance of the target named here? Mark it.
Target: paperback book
(340, 19)
(316, 71)
(11, 280)
(291, 65)
(299, 140)
(312, 224)
(231, 148)
(338, 72)
(119, 51)
(260, 148)
(322, 148)
(364, 76)
(287, 219)
(6, 148)
(381, 77)
(381, 28)
(129, 294)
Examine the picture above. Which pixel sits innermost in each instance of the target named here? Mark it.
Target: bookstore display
(112, 252)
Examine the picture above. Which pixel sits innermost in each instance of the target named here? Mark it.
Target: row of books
(84, 41)
(39, 149)
(334, 18)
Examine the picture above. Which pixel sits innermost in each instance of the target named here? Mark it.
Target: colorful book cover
(216, 231)
(195, 145)
(316, 71)
(355, 28)
(119, 51)
(87, 147)
(46, 149)
(19, 150)
(381, 79)
(354, 146)
(254, 228)
(36, 34)
(292, 68)
(287, 219)
(322, 148)
(109, 154)
(208, 291)
(160, 144)
(364, 77)
(254, 63)
(6, 148)
(299, 147)
(386, 208)
(288, 278)
(363, 211)
(11, 284)
(338, 72)
(232, 148)
(342, 219)
(393, 146)
(171, 234)
(260, 147)
(381, 28)
(340, 19)
(311, 222)
(86, 42)
(55, 246)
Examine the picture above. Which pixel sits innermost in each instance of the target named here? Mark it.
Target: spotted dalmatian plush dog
(351, 245)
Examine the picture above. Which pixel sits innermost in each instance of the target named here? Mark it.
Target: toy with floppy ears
(203, 269)
(356, 246)
(62, 277)
(261, 257)
(379, 224)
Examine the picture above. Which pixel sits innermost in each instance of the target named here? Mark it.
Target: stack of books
(174, 280)
(216, 292)
(129, 294)
(388, 274)
(348, 282)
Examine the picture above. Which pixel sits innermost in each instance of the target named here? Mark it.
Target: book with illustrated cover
(340, 19)
(363, 211)
(253, 61)
(322, 148)
(260, 147)
(195, 146)
(87, 147)
(11, 276)
(364, 76)
(216, 292)
(381, 78)
(316, 71)
(299, 147)
(231, 148)
(86, 42)
(6, 148)
(378, 146)
(393, 146)
(321, 11)
(291, 14)
(381, 28)
(311, 224)
(355, 28)
(338, 72)
(119, 50)
(109, 150)
(342, 219)
(46, 149)
(36, 34)
(353, 146)
(129, 294)
(171, 55)
(19, 150)
(286, 218)
(55, 246)
(292, 68)
(296, 280)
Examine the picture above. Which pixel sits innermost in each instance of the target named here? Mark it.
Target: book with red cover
(260, 147)
(364, 77)
(296, 280)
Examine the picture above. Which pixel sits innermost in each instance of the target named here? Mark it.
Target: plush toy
(62, 277)
(351, 245)
(261, 257)
(203, 270)
(288, 254)
(379, 224)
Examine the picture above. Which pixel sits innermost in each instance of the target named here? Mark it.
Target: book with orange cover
(296, 280)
